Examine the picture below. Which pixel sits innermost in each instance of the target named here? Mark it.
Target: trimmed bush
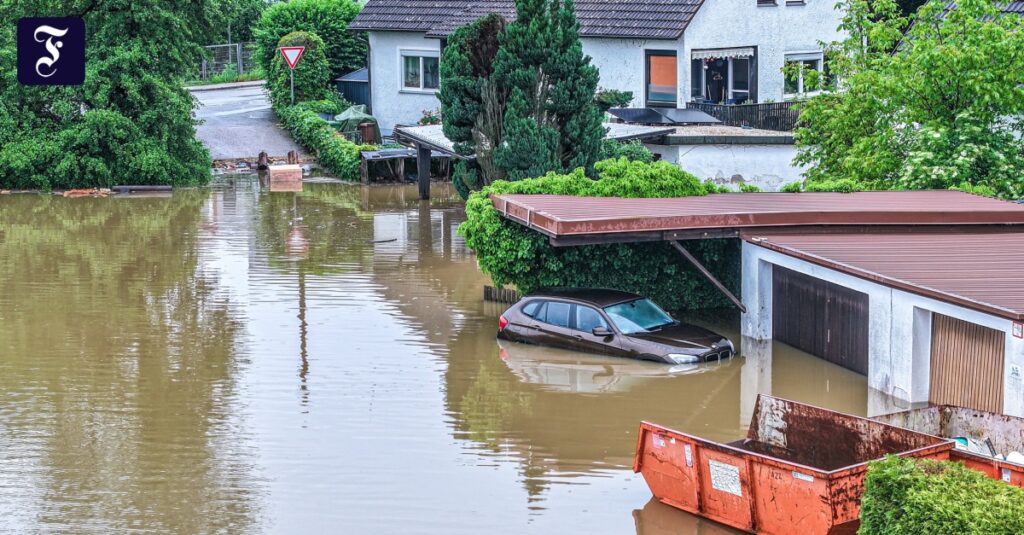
(329, 19)
(312, 74)
(511, 254)
(631, 150)
(335, 153)
(911, 497)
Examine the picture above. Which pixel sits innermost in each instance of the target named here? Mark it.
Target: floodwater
(237, 361)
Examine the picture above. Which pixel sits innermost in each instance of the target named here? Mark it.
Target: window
(766, 3)
(804, 74)
(662, 78)
(638, 316)
(420, 72)
(724, 75)
(587, 319)
(555, 313)
(739, 75)
(530, 309)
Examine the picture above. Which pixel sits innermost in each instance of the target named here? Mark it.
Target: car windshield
(637, 316)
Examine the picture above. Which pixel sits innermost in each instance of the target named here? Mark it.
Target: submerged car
(610, 322)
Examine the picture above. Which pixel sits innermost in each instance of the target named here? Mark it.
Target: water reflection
(117, 371)
(237, 360)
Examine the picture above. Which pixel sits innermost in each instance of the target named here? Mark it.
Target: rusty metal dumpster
(1004, 433)
(800, 470)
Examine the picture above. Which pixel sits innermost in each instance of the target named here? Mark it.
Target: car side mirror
(601, 331)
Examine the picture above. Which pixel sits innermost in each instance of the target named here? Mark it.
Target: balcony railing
(779, 116)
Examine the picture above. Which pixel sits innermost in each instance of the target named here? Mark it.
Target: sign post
(292, 54)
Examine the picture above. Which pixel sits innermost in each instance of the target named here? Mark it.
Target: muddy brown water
(232, 360)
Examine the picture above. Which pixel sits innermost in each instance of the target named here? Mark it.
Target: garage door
(821, 318)
(967, 364)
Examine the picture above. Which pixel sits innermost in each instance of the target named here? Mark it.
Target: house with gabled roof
(666, 52)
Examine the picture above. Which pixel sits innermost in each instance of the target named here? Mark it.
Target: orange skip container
(800, 470)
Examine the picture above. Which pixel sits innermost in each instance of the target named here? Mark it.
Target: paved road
(239, 124)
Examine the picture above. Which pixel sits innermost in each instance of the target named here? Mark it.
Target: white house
(666, 52)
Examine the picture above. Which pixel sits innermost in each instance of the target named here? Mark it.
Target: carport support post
(707, 274)
(423, 170)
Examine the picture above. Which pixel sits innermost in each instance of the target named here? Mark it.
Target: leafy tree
(312, 74)
(512, 254)
(130, 122)
(534, 81)
(329, 19)
(931, 101)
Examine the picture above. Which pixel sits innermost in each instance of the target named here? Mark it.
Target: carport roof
(978, 270)
(569, 220)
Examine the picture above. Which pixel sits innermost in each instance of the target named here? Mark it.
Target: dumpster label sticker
(803, 477)
(658, 440)
(688, 453)
(1006, 475)
(725, 477)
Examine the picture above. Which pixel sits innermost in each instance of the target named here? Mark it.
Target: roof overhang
(432, 136)
(568, 220)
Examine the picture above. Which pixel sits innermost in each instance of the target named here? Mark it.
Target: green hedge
(909, 497)
(511, 254)
(336, 154)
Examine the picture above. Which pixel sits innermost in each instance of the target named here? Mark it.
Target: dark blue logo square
(51, 51)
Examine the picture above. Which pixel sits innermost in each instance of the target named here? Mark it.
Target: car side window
(556, 313)
(530, 309)
(587, 318)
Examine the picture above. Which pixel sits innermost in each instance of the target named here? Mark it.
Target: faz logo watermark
(51, 51)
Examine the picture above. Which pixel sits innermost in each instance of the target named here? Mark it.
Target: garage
(821, 318)
(966, 364)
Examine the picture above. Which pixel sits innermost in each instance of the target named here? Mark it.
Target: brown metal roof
(651, 19)
(982, 271)
(561, 216)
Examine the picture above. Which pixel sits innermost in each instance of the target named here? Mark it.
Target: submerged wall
(899, 331)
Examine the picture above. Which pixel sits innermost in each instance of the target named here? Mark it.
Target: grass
(229, 75)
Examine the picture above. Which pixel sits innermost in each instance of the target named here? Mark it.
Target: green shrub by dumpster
(906, 497)
(511, 254)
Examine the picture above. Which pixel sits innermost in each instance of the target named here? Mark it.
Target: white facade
(899, 331)
(768, 167)
(793, 30)
(776, 31)
(391, 102)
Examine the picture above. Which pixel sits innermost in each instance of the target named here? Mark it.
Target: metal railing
(219, 58)
(781, 116)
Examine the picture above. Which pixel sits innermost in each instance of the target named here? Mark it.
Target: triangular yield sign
(292, 54)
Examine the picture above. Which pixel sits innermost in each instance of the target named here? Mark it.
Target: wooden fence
(780, 116)
(500, 295)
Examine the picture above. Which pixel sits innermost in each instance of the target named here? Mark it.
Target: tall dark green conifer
(542, 95)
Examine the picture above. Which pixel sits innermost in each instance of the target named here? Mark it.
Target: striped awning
(738, 52)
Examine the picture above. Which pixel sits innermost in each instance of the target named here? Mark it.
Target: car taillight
(502, 322)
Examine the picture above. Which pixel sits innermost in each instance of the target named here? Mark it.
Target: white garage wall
(899, 346)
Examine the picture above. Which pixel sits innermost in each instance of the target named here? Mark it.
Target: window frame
(647, 78)
(420, 54)
(801, 57)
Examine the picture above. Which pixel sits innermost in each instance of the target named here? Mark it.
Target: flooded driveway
(231, 360)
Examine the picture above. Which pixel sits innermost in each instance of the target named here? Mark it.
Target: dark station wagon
(610, 322)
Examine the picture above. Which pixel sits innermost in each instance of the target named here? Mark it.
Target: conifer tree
(538, 86)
